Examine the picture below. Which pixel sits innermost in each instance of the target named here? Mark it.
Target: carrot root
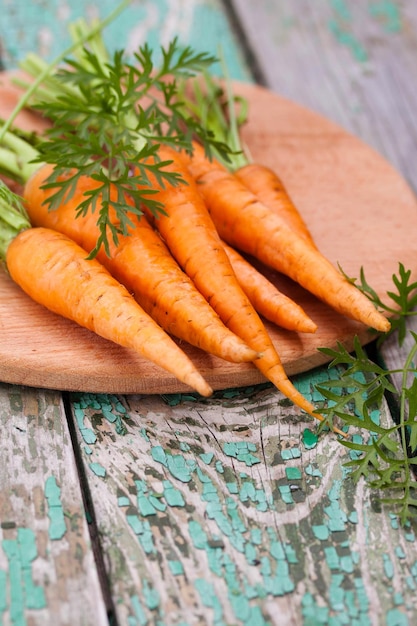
(267, 300)
(245, 223)
(53, 271)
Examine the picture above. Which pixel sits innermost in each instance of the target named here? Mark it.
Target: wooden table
(136, 510)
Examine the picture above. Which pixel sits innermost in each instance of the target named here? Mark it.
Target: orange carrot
(266, 185)
(266, 298)
(214, 105)
(245, 223)
(53, 271)
(141, 262)
(193, 240)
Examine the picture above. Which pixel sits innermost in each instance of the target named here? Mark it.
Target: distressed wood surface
(228, 511)
(48, 574)
(232, 511)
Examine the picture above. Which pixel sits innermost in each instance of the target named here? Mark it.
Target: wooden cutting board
(358, 208)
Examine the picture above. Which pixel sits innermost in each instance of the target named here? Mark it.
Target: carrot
(216, 108)
(266, 185)
(245, 223)
(266, 298)
(141, 262)
(193, 240)
(53, 271)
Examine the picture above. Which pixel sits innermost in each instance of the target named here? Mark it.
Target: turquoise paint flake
(232, 487)
(123, 501)
(172, 496)
(207, 457)
(286, 454)
(184, 447)
(135, 524)
(87, 434)
(256, 536)
(242, 451)
(209, 598)
(23, 593)
(3, 599)
(98, 469)
(389, 14)
(277, 550)
(57, 527)
(88, 450)
(157, 503)
(311, 470)
(347, 39)
(388, 566)
(332, 558)
(341, 9)
(293, 473)
(180, 468)
(140, 614)
(310, 439)
(219, 467)
(285, 492)
(321, 532)
(410, 583)
(204, 478)
(395, 617)
(400, 552)
(145, 507)
(346, 564)
(151, 596)
(247, 492)
(197, 534)
(176, 567)
(158, 455)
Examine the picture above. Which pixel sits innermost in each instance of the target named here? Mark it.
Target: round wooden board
(359, 209)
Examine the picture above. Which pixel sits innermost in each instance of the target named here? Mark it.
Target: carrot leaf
(385, 455)
(109, 115)
(13, 218)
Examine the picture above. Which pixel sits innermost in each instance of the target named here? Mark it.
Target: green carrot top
(13, 218)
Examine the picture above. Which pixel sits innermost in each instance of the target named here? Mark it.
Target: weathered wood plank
(353, 62)
(47, 570)
(199, 23)
(230, 511)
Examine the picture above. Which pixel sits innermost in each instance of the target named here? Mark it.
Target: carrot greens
(386, 455)
(109, 114)
(13, 218)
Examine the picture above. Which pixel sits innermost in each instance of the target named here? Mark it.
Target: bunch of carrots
(177, 272)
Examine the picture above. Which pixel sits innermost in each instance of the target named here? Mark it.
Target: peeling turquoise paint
(19, 591)
(395, 617)
(207, 457)
(97, 469)
(87, 434)
(209, 599)
(293, 473)
(140, 618)
(321, 531)
(242, 451)
(310, 439)
(388, 13)
(346, 38)
(176, 567)
(388, 566)
(57, 527)
(173, 497)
